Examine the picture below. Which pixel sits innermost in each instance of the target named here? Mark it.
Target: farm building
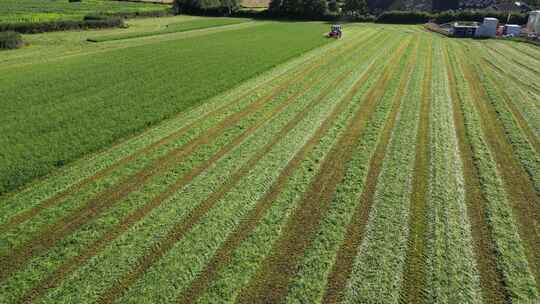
(533, 26)
(464, 29)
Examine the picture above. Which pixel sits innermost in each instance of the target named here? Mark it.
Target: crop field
(183, 26)
(391, 166)
(37, 11)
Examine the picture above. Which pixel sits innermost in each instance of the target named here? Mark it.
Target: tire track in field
(271, 282)
(525, 200)
(95, 248)
(414, 277)
(491, 279)
(50, 235)
(341, 270)
(182, 228)
(223, 255)
(57, 198)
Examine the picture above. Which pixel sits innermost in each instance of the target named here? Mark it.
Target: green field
(52, 10)
(392, 166)
(183, 26)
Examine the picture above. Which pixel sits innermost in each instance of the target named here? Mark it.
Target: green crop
(185, 26)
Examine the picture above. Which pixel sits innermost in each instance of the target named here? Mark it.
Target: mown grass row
(247, 258)
(310, 283)
(159, 184)
(511, 257)
(452, 271)
(189, 248)
(274, 275)
(185, 26)
(526, 145)
(381, 228)
(94, 100)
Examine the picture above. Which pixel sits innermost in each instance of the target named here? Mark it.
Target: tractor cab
(336, 31)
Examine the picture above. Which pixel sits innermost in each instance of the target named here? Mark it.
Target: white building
(533, 26)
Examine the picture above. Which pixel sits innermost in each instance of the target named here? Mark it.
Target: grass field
(391, 166)
(52, 10)
(183, 26)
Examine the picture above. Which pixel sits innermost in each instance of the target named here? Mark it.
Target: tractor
(335, 31)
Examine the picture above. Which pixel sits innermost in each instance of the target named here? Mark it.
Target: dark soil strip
(182, 228)
(271, 282)
(341, 270)
(414, 277)
(522, 195)
(94, 207)
(57, 198)
(224, 255)
(491, 279)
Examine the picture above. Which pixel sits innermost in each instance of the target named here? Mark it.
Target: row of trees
(314, 8)
(354, 9)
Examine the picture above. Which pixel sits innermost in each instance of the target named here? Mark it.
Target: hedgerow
(10, 40)
(51, 26)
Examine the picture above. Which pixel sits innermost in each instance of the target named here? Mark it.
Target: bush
(10, 40)
(404, 17)
(70, 1)
(52, 26)
(478, 16)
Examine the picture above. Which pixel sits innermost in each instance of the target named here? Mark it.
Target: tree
(314, 8)
(206, 6)
(355, 7)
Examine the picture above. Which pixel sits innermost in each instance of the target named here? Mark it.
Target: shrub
(478, 16)
(404, 17)
(51, 26)
(10, 40)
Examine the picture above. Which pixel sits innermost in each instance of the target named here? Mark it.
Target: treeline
(343, 10)
(206, 7)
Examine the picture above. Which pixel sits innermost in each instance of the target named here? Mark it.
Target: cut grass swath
(137, 214)
(334, 248)
(288, 187)
(452, 271)
(525, 199)
(504, 225)
(104, 200)
(252, 252)
(273, 278)
(414, 273)
(491, 278)
(184, 227)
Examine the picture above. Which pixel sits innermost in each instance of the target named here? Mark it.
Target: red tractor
(335, 32)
